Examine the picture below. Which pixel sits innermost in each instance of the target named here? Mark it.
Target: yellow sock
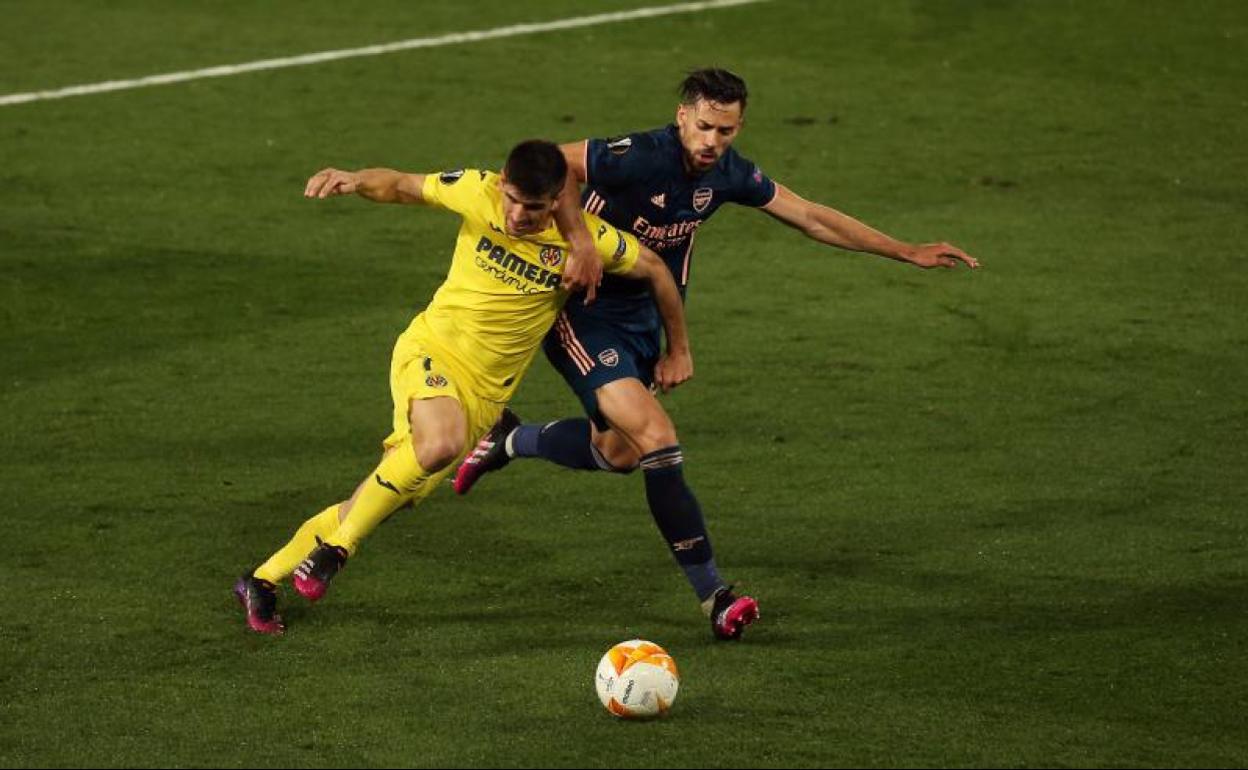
(397, 480)
(281, 564)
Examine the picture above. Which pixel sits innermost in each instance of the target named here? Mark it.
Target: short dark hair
(714, 85)
(537, 168)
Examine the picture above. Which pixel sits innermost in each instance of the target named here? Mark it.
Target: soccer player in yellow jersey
(458, 363)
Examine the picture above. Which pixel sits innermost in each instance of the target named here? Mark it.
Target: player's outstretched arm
(827, 225)
(676, 365)
(382, 185)
(584, 270)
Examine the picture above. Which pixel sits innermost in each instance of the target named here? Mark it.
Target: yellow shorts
(418, 370)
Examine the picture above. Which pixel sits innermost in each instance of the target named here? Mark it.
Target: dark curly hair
(714, 85)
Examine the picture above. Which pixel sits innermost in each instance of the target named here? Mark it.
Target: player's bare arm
(584, 269)
(381, 185)
(827, 225)
(676, 365)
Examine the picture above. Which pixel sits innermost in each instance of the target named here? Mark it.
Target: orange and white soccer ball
(637, 680)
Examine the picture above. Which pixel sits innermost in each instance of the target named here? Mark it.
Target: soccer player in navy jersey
(661, 186)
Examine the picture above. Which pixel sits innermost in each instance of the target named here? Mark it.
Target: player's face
(523, 214)
(706, 131)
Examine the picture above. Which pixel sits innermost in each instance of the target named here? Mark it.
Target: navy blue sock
(566, 442)
(679, 518)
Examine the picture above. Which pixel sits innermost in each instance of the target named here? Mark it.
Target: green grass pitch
(993, 519)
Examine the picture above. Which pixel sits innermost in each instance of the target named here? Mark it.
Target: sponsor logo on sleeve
(758, 175)
(702, 198)
(435, 381)
(618, 145)
(451, 177)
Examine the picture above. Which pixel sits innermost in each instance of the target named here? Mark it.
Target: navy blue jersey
(639, 184)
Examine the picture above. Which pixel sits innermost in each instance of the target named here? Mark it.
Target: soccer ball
(637, 679)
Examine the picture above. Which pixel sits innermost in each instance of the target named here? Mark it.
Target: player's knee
(655, 437)
(436, 453)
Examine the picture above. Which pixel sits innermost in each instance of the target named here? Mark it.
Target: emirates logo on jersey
(702, 198)
(550, 256)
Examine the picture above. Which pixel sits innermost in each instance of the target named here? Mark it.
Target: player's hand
(929, 255)
(583, 272)
(331, 181)
(674, 368)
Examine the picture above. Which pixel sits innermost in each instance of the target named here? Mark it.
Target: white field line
(453, 38)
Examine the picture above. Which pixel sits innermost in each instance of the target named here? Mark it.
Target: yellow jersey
(502, 293)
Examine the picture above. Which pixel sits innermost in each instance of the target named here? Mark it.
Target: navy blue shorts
(590, 352)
